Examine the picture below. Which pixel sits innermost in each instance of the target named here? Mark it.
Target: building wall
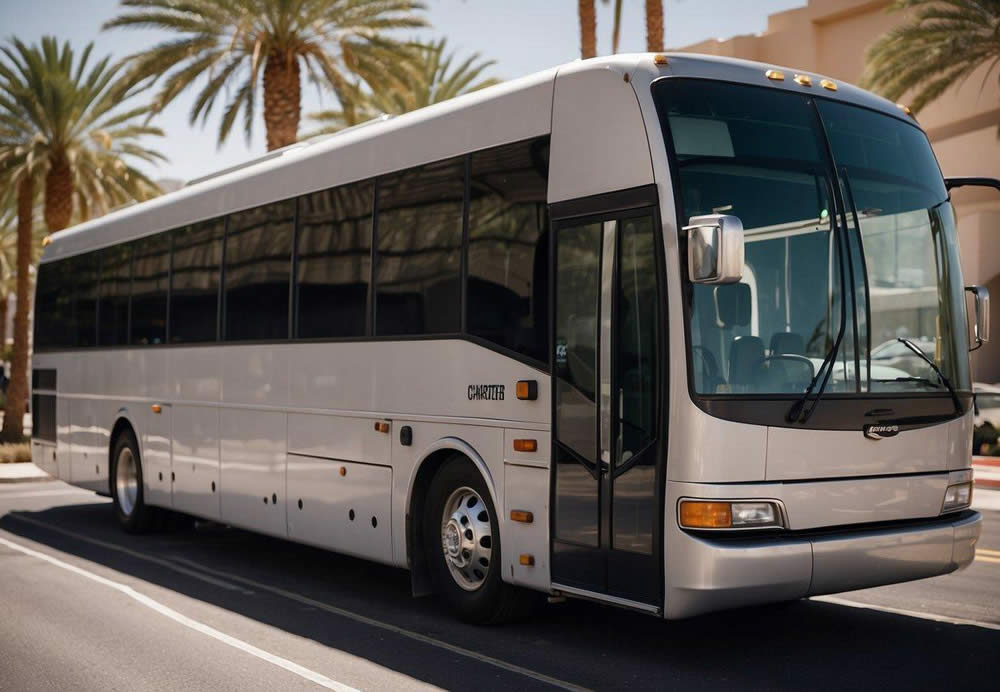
(831, 37)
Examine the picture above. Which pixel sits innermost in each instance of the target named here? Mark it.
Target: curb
(12, 473)
(986, 472)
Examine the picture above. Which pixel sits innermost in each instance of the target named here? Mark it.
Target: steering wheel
(794, 358)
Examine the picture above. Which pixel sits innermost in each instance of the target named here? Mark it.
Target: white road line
(987, 551)
(423, 638)
(154, 605)
(983, 558)
(141, 556)
(41, 493)
(910, 613)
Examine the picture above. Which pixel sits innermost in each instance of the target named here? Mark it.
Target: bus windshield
(849, 238)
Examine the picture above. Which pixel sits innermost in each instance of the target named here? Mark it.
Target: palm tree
(70, 130)
(654, 26)
(432, 75)
(8, 258)
(616, 26)
(235, 45)
(588, 28)
(940, 44)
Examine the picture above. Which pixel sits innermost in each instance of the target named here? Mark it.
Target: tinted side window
(418, 270)
(334, 261)
(194, 288)
(507, 291)
(258, 263)
(116, 279)
(85, 273)
(53, 306)
(150, 274)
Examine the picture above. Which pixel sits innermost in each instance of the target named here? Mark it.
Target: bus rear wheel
(462, 541)
(131, 510)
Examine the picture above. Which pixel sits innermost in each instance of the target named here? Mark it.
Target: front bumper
(705, 573)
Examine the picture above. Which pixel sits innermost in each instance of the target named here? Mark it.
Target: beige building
(831, 37)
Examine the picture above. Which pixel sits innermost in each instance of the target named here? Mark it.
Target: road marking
(166, 611)
(141, 556)
(983, 558)
(350, 615)
(987, 551)
(910, 613)
(41, 493)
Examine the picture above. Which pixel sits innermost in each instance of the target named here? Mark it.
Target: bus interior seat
(788, 342)
(746, 356)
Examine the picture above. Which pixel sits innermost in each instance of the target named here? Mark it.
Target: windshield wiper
(937, 371)
(796, 411)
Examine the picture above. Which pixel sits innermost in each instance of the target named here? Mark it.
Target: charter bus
(602, 332)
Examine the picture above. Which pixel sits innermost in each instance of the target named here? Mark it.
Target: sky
(522, 36)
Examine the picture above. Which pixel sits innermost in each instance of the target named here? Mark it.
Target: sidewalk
(22, 473)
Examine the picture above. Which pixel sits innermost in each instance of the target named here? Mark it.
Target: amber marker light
(527, 390)
(381, 426)
(157, 408)
(525, 445)
(803, 80)
(527, 560)
(776, 75)
(660, 60)
(828, 84)
(706, 515)
(523, 516)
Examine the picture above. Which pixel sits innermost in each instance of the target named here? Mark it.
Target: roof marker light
(660, 59)
(776, 75)
(803, 80)
(828, 84)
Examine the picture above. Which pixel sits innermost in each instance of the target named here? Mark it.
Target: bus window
(116, 277)
(85, 270)
(194, 288)
(150, 275)
(507, 290)
(334, 261)
(419, 250)
(258, 262)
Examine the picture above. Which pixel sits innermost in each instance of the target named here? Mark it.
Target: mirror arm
(981, 327)
(971, 181)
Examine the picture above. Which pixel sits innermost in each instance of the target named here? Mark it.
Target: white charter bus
(610, 331)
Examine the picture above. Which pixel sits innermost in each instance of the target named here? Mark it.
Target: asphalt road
(84, 606)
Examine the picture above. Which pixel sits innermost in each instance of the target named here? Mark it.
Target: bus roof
(512, 111)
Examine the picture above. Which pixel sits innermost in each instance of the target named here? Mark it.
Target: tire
(131, 510)
(471, 588)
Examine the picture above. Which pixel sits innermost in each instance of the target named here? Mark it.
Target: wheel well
(121, 426)
(419, 576)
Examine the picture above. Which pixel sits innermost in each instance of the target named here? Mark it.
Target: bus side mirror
(981, 327)
(715, 249)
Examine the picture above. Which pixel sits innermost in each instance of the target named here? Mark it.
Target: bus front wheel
(131, 511)
(462, 540)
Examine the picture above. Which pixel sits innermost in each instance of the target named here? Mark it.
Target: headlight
(957, 496)
(742, 514)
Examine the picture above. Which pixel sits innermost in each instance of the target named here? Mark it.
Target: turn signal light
(527, 390)
(706, 515)
(745, 514)
(157, 408)
(525, 445)
(957, 497)
(522, 516)
(381, 426)
(527, 560)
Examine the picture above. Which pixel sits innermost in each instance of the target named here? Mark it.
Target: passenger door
(607, 467)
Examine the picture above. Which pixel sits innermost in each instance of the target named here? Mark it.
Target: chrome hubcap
(466, 538)
(126, 481)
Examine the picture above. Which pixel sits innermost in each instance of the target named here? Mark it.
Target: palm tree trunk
(4, 300)
(17, 390)
(654, 26)
(58, 194)
(282, 96)
(588, 29)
